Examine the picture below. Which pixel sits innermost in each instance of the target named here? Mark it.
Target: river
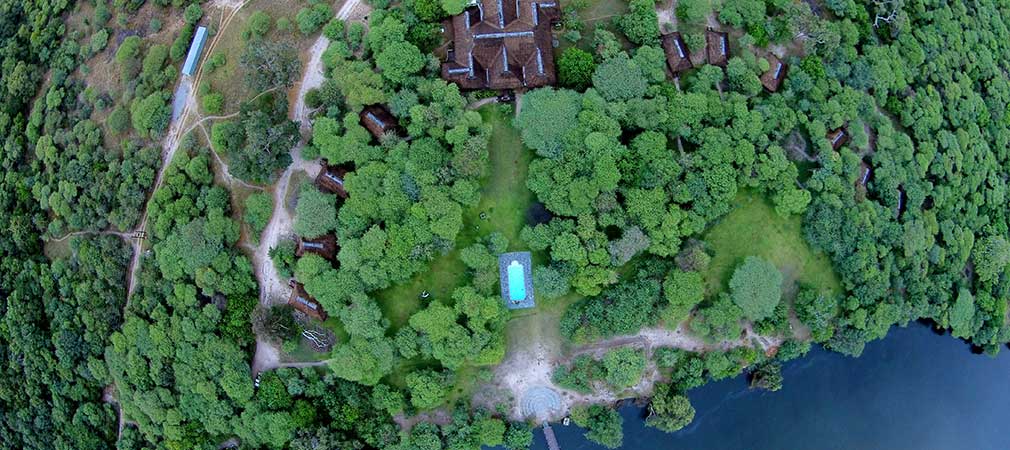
(914, 389)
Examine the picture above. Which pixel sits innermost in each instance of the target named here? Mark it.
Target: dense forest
(630, 169)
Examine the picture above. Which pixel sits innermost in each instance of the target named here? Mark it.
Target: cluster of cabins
(379, 122)
(678, 56)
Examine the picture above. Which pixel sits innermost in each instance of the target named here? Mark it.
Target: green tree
(604, 424)
(575, 68)
(428, 389)
(619, 78)
(315, 214)
(399, 60)
(756, 287)
(962, 315)
(519, 436)
(670, 411)
(624, 367)
(991, 256)
(683, 291)
(258, 209)
(546, 117)
(258, 24)
(213, 103)
(640, 24)
(150, 115)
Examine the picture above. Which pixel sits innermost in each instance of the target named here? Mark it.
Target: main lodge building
(502, 44)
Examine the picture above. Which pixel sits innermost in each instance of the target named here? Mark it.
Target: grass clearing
(57, 249)
(753, 228)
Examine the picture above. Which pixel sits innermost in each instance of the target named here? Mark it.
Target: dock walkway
(552, 441)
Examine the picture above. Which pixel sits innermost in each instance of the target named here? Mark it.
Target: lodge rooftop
(502, 44)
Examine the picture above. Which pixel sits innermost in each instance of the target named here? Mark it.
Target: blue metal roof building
(193, 57)
(516, 278)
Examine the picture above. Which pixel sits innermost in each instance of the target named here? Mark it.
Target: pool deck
(523, 258)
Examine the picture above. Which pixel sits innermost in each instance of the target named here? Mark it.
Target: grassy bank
(753, 228)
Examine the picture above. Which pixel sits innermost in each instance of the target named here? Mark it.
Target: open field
(753, 228)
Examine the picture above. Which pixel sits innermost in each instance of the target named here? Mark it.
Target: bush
(624, 367)
(98, 41)
(311, 19)
(119, 121)
(150, 115)
(193, 13)
(259, 24)
(213, 103)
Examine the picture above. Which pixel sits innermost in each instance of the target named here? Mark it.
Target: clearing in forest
(753, 228)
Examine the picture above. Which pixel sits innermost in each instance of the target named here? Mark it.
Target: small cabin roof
(377, 119)
(838, 138)
(717, 47)
(195, 49)
(325, 246)
(301, 301)
(331, 180)
(678, 56)
(772, 79)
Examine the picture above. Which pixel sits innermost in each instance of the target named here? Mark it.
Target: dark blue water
(912, 390)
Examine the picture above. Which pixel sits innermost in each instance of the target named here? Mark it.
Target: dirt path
(121, 234)
(272, 287)
(484, 101)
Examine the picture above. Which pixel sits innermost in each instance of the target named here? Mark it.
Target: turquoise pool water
(517, 282)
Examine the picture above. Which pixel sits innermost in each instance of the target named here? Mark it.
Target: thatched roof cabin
(301, 301)
(717, 47)
(678, 56)
(776, 73)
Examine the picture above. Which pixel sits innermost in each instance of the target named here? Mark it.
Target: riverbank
(914, 389)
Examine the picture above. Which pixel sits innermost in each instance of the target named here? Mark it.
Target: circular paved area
(540, 402)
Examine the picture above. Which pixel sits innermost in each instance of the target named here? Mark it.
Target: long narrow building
(502, 44)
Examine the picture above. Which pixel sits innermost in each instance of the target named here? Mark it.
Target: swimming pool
(517, 282)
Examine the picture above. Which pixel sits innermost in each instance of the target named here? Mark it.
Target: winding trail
(272, 287)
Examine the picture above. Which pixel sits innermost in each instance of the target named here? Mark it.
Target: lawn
(504, 198)
(753, 228)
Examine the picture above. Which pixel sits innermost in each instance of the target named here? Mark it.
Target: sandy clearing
(535, 350)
